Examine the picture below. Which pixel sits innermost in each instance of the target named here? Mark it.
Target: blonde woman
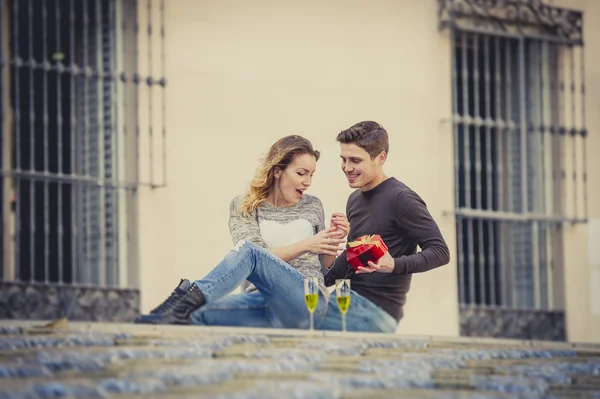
(279, 237)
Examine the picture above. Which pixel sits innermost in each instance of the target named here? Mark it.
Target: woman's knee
(244, 246)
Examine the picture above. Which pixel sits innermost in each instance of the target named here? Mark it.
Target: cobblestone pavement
(131, 361)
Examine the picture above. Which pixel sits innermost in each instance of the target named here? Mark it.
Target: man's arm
(339, 270)
(413, 215)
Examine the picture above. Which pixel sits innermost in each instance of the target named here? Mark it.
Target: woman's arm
(325, 244)
(327, 260)
(246, 228)
(290, 252)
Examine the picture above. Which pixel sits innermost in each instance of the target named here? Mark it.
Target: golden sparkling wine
(343, 303)
(311, 301)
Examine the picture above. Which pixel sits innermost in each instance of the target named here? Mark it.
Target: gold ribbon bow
(365, 240)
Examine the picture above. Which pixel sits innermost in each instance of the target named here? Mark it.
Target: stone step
(88, 360)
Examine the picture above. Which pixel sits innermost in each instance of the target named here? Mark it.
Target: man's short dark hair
(368, 135)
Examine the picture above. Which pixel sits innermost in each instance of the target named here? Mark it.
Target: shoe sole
(152, 319)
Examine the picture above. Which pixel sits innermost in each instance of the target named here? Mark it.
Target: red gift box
(364, 249)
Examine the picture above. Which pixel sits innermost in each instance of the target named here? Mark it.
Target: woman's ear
(277, 172)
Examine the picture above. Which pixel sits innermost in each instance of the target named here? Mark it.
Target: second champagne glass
(342, 292)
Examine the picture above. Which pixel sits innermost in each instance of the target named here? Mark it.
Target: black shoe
(192, 300)
(173, 299)
(159, 315)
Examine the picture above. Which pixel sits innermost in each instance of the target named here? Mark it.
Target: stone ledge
(193, 331)
(31, 300)
(499, 322)
(101, 360)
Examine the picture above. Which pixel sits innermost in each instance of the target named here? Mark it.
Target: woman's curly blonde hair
(280, 155)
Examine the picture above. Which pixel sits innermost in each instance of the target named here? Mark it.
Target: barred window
(70, 138)
(519, 126)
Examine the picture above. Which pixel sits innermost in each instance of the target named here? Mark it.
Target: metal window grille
(519, 145)
(70, 137)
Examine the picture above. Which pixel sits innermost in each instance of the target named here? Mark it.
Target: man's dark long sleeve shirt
(402, 219)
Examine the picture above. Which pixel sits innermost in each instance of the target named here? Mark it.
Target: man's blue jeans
(279, 301)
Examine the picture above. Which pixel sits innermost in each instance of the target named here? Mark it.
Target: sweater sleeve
(243, 227)
(414, 217)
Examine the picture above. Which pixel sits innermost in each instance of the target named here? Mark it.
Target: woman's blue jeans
(279, 301)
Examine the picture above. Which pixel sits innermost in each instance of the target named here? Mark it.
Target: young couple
(280, 236)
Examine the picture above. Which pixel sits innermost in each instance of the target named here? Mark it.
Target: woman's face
(291, 183)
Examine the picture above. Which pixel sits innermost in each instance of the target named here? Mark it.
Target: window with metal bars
(69, 139)
(519, 126)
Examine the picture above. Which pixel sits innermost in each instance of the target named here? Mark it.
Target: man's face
(361, 171)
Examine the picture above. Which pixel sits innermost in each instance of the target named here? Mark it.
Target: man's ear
(382, 157)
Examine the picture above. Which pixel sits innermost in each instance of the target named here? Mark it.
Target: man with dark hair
(385, 206)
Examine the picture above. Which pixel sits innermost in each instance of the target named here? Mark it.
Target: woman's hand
(341, 224)
(326, 242)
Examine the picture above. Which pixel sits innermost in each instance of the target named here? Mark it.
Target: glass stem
(312, 321)
(344, 323)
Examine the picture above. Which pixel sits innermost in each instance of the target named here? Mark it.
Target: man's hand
(340, 222)
(385, 264)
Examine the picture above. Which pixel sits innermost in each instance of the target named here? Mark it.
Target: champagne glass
(311, 297)
(342, 292)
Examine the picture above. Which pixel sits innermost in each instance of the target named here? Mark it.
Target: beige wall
(582, 266)
(242, 74)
